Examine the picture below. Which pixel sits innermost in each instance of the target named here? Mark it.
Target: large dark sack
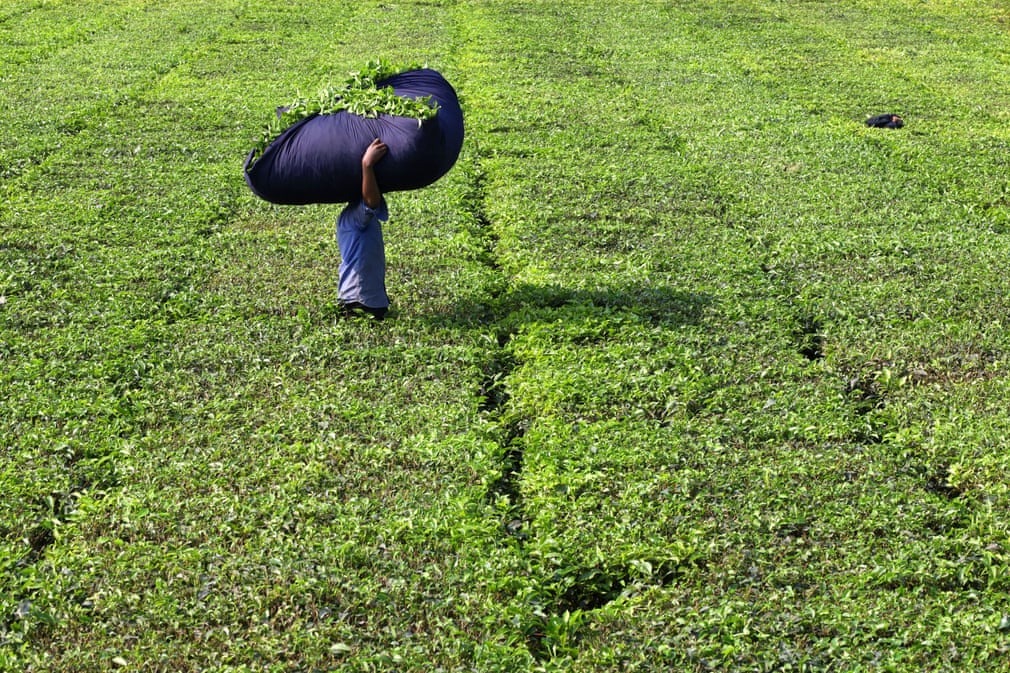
(318, 159)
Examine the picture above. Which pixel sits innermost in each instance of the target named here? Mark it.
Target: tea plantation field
(688, 369)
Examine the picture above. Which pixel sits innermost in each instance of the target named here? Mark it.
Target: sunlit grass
(687, 369)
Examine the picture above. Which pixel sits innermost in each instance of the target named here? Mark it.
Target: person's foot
(352, 308)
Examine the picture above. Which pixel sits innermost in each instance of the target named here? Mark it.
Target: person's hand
(374, 153)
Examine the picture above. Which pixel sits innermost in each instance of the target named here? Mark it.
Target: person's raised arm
(370, 192)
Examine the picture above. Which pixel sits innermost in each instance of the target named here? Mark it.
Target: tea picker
(396, 133)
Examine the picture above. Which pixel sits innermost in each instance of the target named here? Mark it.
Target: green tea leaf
(359, 94)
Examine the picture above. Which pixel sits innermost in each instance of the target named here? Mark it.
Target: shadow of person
(652, 304)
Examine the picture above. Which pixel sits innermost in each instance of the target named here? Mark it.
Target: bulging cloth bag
(318, 159)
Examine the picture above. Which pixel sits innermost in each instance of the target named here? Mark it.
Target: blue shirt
(363, 254)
